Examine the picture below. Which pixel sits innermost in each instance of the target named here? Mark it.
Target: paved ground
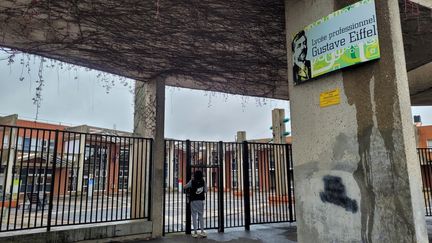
(268, 233)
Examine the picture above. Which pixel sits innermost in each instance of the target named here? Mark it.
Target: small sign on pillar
(330, 98)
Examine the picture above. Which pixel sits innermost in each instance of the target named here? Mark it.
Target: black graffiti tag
(335, 193)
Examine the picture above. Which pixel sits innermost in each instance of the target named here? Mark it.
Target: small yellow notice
(330, 98)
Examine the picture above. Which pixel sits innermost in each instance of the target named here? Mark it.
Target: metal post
(54, 161)
(165, 168)
(246, 191)
(188, 178)
(221, 214)
(288, 165)
(151, 161)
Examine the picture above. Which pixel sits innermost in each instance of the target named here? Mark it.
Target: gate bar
(246, 191)
(221, 216)
(188, 178)
(288, 164)
(54, 162)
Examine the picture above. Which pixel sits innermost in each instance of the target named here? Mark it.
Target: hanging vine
(106, 80)
(228, 46)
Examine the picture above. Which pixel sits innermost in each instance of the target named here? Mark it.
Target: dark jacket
(197, 190)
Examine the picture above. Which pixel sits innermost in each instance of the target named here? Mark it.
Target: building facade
(84, 160)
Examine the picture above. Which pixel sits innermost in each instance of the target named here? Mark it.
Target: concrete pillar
(149, 122)
(10, 121)
(252, 167)
(133, 156)
(82, 144)
(278, 125)
(241, 136)
(139, 158)
(171, 169)
(363, 148)
(82, 130)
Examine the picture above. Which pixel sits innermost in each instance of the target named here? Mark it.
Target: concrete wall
(138, 229)
(363, 148)
(149, 120)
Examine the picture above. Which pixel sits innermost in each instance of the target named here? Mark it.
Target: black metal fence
(272, 194)
(51, 178)
(249, 183)
(425, 158)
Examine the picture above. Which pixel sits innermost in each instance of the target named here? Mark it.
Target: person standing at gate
(197, 190)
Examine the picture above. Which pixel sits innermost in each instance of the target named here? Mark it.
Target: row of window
(30, 144)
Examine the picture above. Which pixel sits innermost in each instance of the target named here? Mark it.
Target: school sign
(344, 38)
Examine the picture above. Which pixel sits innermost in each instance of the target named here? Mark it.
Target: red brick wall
(60, 181)
(424, 134)
(113, 168)
(263, 164)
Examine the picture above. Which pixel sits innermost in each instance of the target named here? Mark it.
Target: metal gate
(249, 183)
(55, 178)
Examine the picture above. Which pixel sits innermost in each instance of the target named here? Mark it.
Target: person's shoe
(203, 234)
(195, 235)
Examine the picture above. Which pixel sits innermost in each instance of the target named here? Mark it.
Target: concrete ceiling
(417, 33)
(219, 45)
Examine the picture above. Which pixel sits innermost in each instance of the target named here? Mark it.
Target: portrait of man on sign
(302, 67)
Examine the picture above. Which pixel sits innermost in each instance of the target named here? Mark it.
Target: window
(27, 142)
(123, 168)
(47, 146)
(20, 142)
(429, 143)
(234, 165)
(215, 159)
(51, 145)
(30, 144)
(73, 179)
(95, 166)
(6, 141)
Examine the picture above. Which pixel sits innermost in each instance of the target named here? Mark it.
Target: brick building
(263, 168)
(82, 159)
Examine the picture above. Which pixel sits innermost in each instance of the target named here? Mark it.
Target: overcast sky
(76, 97)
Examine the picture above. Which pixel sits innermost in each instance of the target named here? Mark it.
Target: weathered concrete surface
(139, 228)
(9, 120)
(416, 17)
(149, 122)
(278, 126)
(356, 172)
(416, 22)
(241, 136)
(420, 82)
(426, 3)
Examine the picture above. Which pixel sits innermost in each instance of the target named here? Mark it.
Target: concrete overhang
(416, 17)
(228, 46)
(217, 45)
(420, 81)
